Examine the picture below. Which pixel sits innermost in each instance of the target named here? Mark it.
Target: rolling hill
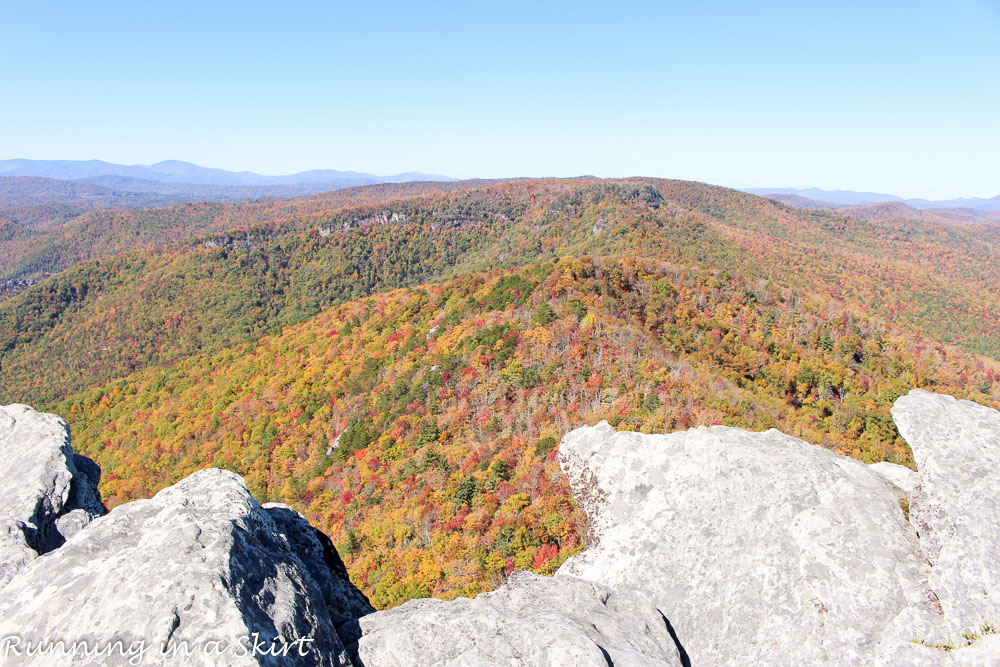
(40, 202)
(60, 235)
(851, 198)
(896, 210)
(45, 194)
(106, 318)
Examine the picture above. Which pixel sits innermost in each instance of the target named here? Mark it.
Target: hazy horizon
(777, 189)
(876, 98)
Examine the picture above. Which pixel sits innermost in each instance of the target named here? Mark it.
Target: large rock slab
(760, 548)
(200, 565)
(956, 509)
(531, 620)
(49, 493)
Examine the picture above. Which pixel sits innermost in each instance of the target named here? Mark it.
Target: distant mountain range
(851, 198)
(34, 192)
(889, 210)
(175, 181)
(175, 171)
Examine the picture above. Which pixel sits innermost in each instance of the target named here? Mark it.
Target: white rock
(336, 443)
(48, 492)
(201, 561)
(760, 548)
(344, 602)
(956, 446)
(906, 481)
(984, 652)
(531, 620)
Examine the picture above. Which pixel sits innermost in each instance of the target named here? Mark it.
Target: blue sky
(898, 97)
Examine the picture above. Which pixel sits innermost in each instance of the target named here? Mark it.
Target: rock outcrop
(711, 546)
(200, 566)
(49, 493)
(956, 509)
(530, 620)
(760, 548)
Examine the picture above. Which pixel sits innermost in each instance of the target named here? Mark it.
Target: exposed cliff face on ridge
(48, 492)
(709, 546)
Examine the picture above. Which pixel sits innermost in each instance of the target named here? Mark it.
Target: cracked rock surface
(956, 509)
(711, 546)
(530, 620)
(49, 493)
(759, 547)
(762, 548)
(200, 561)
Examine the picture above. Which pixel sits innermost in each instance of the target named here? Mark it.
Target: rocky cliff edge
(709, 546)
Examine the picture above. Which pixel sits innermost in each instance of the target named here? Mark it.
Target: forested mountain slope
(106, 318)
(64, 235)
(48, 202)
(418, 427)
(896, 210)
(19, 193)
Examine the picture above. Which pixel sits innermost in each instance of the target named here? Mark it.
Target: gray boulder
(201, 566)
(530, 620)
(956, 510)
(760, 548)
(49, 493)
(344, 602)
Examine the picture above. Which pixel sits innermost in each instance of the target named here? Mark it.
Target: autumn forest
(399, 362)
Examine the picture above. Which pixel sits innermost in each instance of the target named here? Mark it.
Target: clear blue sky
(898, 97)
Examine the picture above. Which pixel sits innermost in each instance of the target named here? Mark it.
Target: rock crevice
(49, 493)
(199, 562)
